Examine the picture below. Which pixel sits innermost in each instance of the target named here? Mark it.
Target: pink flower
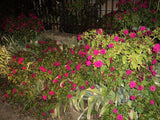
(82, 87)
(59, 76)
(110, 45)
(69, 62)
(152, 88)
(49, 71)
(55, 81)
(27, 46)
(92, 87)
(43, 42)
(18, 28)
(110, 75)
(143, 28)
(112, 68)
(98, 63)
(33, 75)
(110, 102)
(69, 96)
(20, 60)
(126, 32)
(103, 51)
(115, 111)
(152, 10)
(116, 38)
(68, 67)
(119, 18)
(14, 58)
(89, 57)
(100, 31)
(42, 69)
(73, 88)
(119, 117)
(72, 71)
(133, 97)
(88, 63)
(52, 111)
(6, 95)
(66, 74)
(24, 83)
(86, 82)
(136, 9)
(74, 85)
(39, 29)
(110, 60)
(96, 52)
(14, 71)
(154, 73)
(132, 35)
(14, 90)
(87, 47)
(128, 72)
(132, 84)
(152, 102)
(11, 30)
(79, 37)
(140, 87)
(78, 67)
(154, 61)
(156, 48)
(154, 20)
(44, 97)
(151, 68)
(51, 92)
(56, 64)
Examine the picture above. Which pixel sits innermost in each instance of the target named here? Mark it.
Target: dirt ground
(9, 111)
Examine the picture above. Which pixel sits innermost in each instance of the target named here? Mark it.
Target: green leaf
(104, 108)
(94, 91)
(91, 102)
(129, 103)
(112, 94)
(82, 93)
(74, 100)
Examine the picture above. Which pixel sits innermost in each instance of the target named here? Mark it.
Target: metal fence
(70, 15)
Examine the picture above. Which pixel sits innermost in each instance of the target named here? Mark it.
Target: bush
(132, 15)
(113, 72)
(23, 27)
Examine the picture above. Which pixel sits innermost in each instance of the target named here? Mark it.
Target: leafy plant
(132, 15)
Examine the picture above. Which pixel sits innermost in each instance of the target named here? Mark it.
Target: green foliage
(23, 27)
(109, 72)
(127, 52)
(4, 60)
(132, 15)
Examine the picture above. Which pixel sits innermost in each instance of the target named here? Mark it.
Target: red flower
(51, 92)
(152, 88)
(133, 97)
(132, 35)
(69, 96)
(44, 97)
(152, 102)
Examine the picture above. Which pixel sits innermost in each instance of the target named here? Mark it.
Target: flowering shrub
(133, 14)
(125, 64)
(116, 73)
(47, 73)
(23, 26)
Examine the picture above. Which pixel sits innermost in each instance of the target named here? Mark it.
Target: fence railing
(71, 15)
